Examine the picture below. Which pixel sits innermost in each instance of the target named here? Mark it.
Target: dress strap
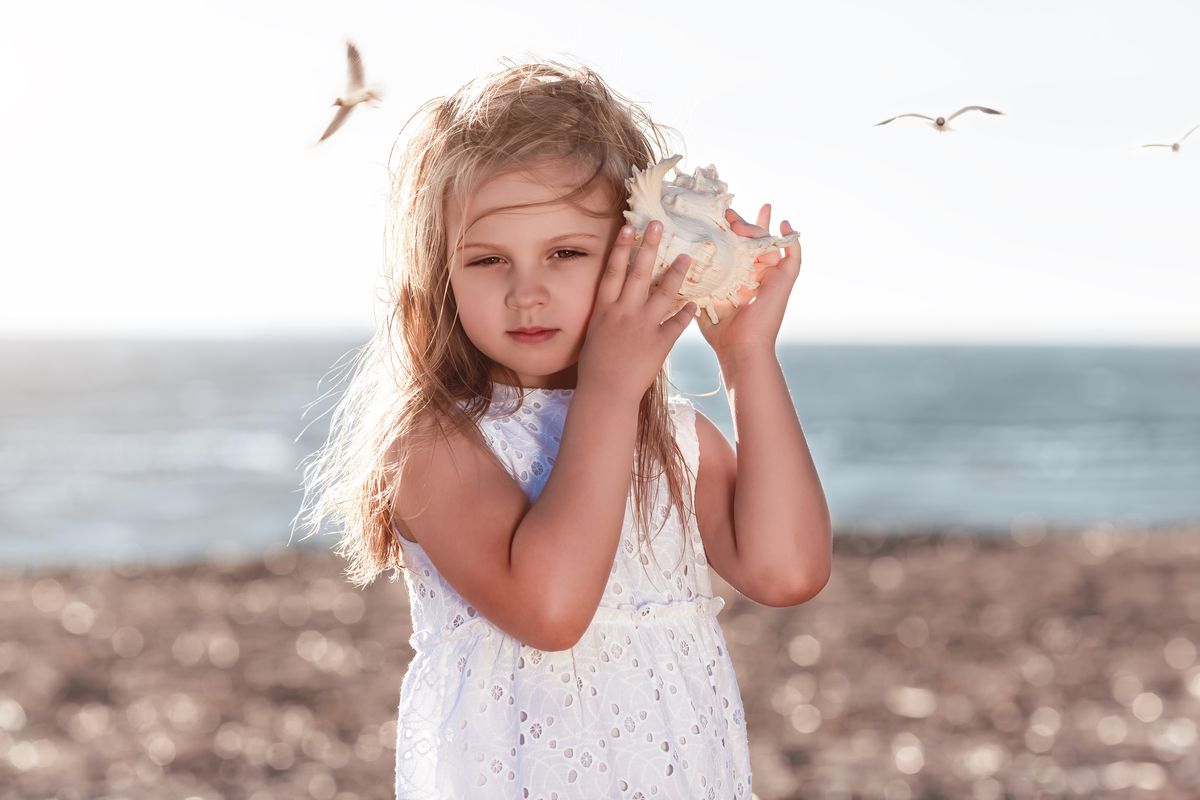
(683, 412)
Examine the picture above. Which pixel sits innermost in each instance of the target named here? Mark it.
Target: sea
(170, 451)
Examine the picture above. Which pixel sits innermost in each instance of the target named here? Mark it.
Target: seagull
(939, 124)
(1175, 146)
(355, 92)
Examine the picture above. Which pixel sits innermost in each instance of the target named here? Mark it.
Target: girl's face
(535, 267)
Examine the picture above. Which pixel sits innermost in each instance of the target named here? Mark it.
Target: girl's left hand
(755, 325)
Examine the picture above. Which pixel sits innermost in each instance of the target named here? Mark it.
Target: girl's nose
(527, 291)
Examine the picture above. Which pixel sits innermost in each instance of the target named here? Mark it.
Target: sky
(158, 174)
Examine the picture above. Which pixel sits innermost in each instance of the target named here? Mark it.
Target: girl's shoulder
(432, 437)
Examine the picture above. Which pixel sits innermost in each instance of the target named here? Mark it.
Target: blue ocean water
(178, 450)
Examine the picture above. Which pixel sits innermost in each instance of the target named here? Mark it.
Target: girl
(509, 438)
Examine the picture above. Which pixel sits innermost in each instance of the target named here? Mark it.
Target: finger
(764, 217)
(618, 260)
(677, 323)
(791, 253)
(637, 277)
(741, 227)
(665, 292)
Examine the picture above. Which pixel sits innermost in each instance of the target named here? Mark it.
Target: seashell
(692, 211)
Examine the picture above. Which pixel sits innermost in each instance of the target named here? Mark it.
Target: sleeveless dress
(645, 706)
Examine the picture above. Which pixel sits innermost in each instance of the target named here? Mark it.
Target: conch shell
(692, 211)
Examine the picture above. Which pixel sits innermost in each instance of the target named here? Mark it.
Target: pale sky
(157, 174)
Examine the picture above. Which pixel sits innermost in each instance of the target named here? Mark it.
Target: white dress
(645, 706)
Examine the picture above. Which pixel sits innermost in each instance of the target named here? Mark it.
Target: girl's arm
(535, 571)
(762, 512)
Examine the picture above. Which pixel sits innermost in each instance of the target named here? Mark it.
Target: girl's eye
(489, 260)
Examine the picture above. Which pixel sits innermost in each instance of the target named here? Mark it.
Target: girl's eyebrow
(579, 235)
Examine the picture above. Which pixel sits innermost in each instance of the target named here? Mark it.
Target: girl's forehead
(534, 184)
(535, 191)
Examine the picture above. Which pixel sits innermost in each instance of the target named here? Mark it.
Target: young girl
(509, 438)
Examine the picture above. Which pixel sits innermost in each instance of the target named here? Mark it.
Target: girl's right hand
(627, 338)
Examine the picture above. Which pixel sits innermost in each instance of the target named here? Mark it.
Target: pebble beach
(947, 665)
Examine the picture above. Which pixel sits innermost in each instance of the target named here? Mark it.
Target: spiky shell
(692, 211)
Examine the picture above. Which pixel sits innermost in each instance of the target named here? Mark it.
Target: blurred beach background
(994, 349)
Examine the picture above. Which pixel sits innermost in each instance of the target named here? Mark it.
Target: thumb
(677, 323)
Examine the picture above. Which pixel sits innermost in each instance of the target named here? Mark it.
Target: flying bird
(1175, 145)
(355, 92)
(941, 123)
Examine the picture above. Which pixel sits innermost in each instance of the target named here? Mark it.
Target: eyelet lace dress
(645, 706)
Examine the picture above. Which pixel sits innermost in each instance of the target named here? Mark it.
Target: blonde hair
(420, 364)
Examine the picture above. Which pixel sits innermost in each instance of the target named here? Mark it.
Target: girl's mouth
(532, 335)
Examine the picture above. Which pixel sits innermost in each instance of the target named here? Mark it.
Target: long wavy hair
(419, 365)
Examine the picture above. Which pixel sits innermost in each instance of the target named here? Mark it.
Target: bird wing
(354, 62)
(984, 109)
(1189, 133)
(886, 121)
(338, 119)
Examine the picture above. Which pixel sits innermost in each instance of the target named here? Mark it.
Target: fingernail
(627, 231)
